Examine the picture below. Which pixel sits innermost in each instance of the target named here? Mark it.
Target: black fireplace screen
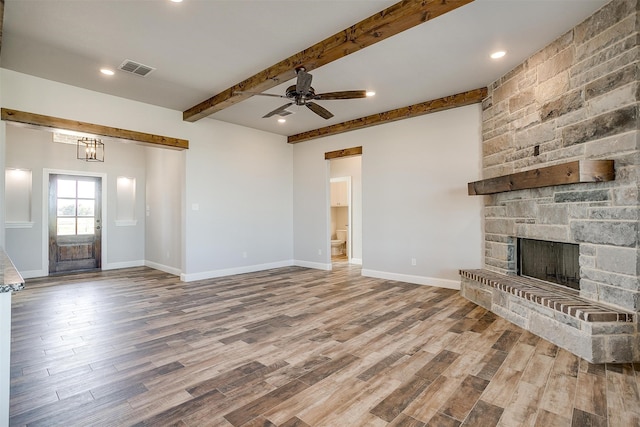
(550, 261)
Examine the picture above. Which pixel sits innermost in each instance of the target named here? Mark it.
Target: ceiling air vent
(135, 68)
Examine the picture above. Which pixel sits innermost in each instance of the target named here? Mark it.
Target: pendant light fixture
(90, 150)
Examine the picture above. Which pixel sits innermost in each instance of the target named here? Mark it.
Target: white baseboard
(356, 261)
(418, 280)
(31, 274)
(126, 264)
(236, 270)
(315, 265)
(162, 267)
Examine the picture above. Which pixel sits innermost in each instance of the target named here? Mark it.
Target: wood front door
(75, 225)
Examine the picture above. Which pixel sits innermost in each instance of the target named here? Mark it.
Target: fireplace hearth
(553, 262)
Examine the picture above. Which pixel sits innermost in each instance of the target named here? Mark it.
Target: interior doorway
(341, 203)
(75, 223)
(345, 221)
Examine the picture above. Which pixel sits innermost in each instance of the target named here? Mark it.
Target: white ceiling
(201, 47)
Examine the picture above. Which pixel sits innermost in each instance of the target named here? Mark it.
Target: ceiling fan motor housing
(300, 98)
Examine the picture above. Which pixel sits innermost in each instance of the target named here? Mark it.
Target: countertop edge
(10, 278)
(14, 287)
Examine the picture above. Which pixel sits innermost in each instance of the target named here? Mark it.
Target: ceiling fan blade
(321, 111)
(260, 94)
(281, 111)
(304, 81)
(346, 94)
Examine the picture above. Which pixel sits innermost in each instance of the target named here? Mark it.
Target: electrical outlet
(413, 261)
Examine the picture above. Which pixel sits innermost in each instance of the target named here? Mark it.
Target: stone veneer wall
(575, 99)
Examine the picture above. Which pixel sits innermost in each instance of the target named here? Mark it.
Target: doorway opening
(75, 223)
(341, 239)
(345, 191)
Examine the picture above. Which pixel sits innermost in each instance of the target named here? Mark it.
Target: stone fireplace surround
(575, 99)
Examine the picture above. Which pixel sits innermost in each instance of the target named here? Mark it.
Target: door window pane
(85, 226)
(66, 188)
(66, 207)
(76, 207)
(86, 207)
(86, 190)
(66, 226)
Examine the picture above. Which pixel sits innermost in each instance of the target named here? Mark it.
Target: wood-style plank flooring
(291, 347)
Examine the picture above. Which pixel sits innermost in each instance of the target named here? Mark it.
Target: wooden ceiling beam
(347, 152)
(55, 123)
(389, 22)
(459, 100)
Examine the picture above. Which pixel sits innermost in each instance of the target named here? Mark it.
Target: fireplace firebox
(554, 262)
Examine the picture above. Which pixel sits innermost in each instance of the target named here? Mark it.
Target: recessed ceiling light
(499, 54)
(282, 120)
(107, 72)
(370, 93)
(176, 1)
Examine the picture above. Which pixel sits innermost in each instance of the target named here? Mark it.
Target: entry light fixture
(90, 150)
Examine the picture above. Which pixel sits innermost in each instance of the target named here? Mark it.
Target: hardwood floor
(291, 347)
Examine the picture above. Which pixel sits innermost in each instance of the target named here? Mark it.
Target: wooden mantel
(567, 173)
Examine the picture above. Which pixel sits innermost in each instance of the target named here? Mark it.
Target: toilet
(338, 245)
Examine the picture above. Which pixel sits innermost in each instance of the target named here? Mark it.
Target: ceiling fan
(303, 94)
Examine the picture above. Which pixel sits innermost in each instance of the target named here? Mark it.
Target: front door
(74, 223)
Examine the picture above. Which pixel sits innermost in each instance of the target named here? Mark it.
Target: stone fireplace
(576, 99)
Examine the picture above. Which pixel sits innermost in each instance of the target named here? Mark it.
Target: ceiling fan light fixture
(281, 120)
(370, 93)
(499, 54)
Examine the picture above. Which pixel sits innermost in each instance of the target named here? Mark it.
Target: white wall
(352, 166)
(311, 215)
(163, 210)
(34, 150)
(239, 178)
(240, 181)
(414, 197)
(3, 127)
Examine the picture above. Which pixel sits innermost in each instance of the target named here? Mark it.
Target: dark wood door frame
(47, 173)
